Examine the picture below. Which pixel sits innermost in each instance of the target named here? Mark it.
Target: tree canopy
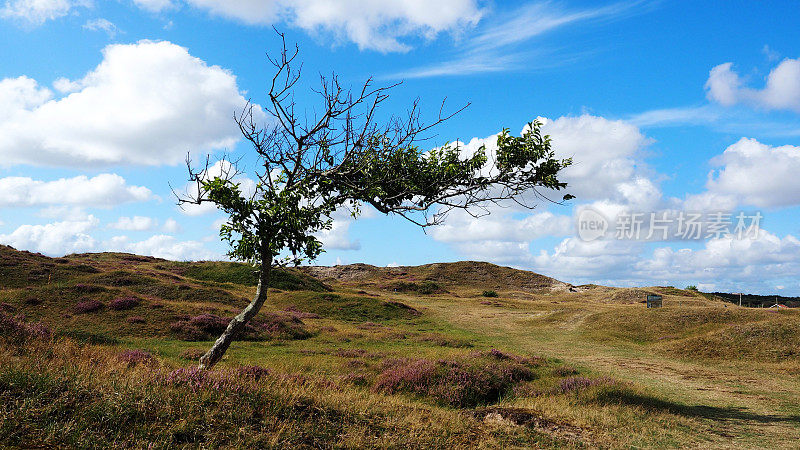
(311, 165)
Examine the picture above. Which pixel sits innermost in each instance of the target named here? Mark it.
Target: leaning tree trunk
(237, 324)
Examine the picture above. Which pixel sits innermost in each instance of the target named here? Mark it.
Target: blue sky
(666, 107)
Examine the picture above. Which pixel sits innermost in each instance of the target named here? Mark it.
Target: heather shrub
(208, 326)
(280, 326)
(134, 357)
(295, 312)
(17, 331)
(565, 371)
(7, 307)
(480, 378)
(355, 378)
(124, 303)
(88, 306)
(135, 319)
(88, 288)
(33, 301)
(252, 372)
(199, 328)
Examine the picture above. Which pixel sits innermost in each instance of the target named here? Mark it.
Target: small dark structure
(654, 301)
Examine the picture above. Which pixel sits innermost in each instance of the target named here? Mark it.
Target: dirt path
(743, 406)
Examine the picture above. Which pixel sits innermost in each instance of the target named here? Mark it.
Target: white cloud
(460, 227)
(573, 258)
(163, 246)
(218, 169)
(154, 6)
(496, 47)
(37, 12)
(381, 25)
(758, 174)
(145, 104)
(608, 171)
(393, 264)
(54, 239)
(728, 259)
(21, 93)
(171, 226)
(338, 238)
(104, 190)
(694, 115)
(606, 158)
(136, 223)
(101, 25)
(781, 91)
(64, 213)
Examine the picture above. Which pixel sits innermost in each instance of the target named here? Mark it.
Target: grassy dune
(358, 356)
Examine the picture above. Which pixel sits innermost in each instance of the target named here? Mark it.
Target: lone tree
(342, 156)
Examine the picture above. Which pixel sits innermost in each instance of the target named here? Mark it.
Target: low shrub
(252, 372)
(565, 371)
(489, 294)
(135, 319)
(294, 311)
(17, 330)
(135, 357)
(281, 326)
(88, 306)
(88, 288)
(124, 303)
(476, 379)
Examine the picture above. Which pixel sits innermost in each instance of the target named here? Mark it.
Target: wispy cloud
(498, 46)
(738, 121)
(691, 115)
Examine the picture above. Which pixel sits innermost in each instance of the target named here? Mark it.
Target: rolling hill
(99, 350)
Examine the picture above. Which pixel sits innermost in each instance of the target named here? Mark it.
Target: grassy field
(444, 355)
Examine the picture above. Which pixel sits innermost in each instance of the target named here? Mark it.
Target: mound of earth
(473, 274)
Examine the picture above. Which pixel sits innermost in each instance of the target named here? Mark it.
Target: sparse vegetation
(380, 368)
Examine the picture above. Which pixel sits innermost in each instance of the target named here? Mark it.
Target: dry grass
(587, 366)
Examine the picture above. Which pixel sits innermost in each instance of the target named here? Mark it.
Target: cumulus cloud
(164, 246)
(218, 169)
(338, 237)
(135, 223)
(757, 174)
(171, 226)
(781, 91)
(606, 154)
(726, 259)
(104, 190)
(145, 104)
(37, 12)
(54, 239)
(381, 25)
(608, 175)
